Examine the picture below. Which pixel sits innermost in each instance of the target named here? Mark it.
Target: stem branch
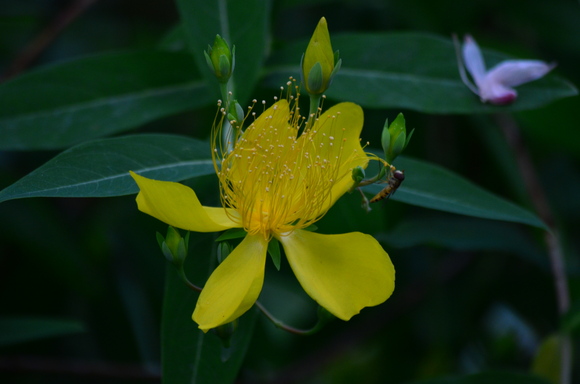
(540, 202)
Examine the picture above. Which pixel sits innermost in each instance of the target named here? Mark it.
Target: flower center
(279, 180)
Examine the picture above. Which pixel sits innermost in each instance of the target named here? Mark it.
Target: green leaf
(431, 186)
(243, 24)
(101, 168)
(188, 354)
(464, 233)
(15, 330)
(413, 71)
(489, 378)
(66, 103)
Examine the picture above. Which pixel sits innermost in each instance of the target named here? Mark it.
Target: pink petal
(473, 60)
(512, 73)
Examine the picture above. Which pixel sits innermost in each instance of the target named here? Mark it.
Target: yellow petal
(178, 206)
(343, 273)
(344, 123)
(234, 286)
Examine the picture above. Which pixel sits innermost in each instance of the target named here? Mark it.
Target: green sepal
(224, 67)
(358, 174)
(409, 137)
(236, 113)
(337, 66)
(315, 79)
(397, 147)
(398, 138)
(233, 233)
(225, 332)
(386, 138)
(224, 249)
(174, 247)
(274, 251)
(337, 61)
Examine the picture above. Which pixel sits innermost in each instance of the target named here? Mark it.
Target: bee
(393, 182)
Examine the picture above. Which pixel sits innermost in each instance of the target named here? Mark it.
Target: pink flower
(495, 86)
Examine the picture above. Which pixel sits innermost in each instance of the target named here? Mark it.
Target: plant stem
(45, 38)
(540, 202)
(285, 327)
(278, 323)
(313, 112)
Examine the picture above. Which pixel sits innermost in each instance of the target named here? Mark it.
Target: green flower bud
(225, 332)
(319, 63)
(358, 174)
(394, 139)
(220, 60)
(173, 246)
(224, 248)
(236, 114)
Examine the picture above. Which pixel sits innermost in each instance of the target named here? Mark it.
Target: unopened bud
(319, 63)
(220, 60)
(394, 139)
(173, 246)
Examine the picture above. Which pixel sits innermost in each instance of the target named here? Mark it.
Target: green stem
(274, 320)
(313, 112)
(532, 183)
(280, 324)
(227, 91)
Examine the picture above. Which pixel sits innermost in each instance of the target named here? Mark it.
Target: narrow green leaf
(465, 233)
(431, 186)
(413, 71)
(188, 354)
(243, 24)
(15, 330)
(101, 168)
(66, 103)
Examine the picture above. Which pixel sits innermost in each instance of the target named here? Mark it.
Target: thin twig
(278, 323)
(45, 38)
(540, 202)
(352, 337)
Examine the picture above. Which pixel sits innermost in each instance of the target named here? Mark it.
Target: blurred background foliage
(83, 278)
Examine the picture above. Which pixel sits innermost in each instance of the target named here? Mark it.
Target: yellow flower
(274, 183)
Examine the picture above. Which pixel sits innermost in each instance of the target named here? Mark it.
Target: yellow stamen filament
(276, 178)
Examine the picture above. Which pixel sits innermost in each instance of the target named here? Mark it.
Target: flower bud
(235, 114)
(173, 246)
(358, 174)
(220, 60)
(226, 331)
(224, 249)
(319, 63)
(394, 138)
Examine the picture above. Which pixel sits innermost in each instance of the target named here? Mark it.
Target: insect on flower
(496, 85)
(393, 183)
